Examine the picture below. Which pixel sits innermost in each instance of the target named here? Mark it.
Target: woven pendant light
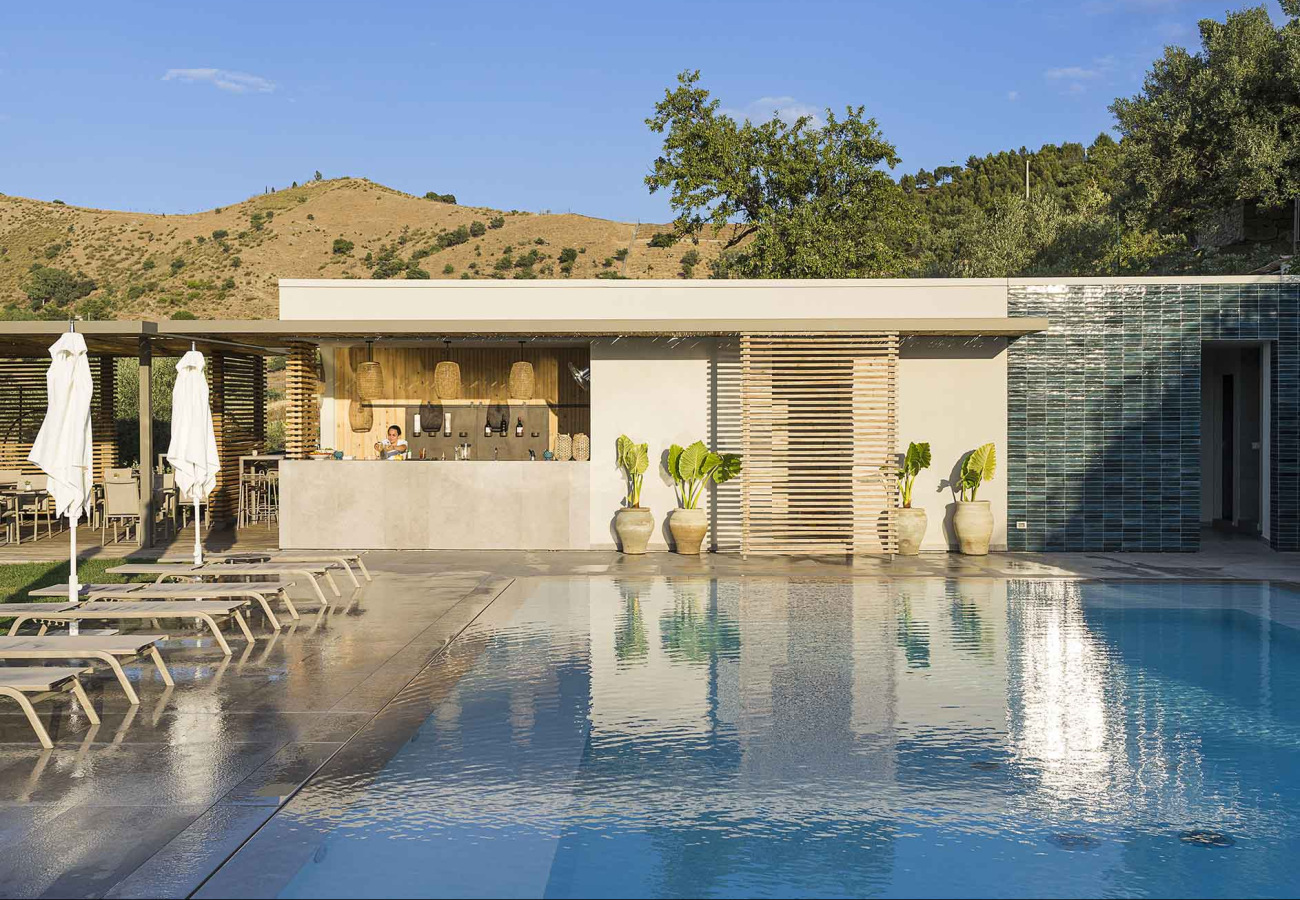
(370, 377)
(361, 416)
(446, 377)
(522, 379)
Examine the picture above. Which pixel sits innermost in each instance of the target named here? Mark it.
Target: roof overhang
(271, 336)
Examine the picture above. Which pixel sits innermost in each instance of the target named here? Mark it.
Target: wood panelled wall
(484, 371)
(237, 388)
(22, 409)
(818, 431)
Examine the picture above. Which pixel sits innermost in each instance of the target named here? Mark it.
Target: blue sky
(176, 108)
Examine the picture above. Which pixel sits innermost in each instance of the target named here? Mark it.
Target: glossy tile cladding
(1104, 411)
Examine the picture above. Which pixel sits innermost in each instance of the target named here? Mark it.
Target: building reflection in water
(690, 736)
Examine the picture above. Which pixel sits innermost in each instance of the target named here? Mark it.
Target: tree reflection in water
(694, 630)
(631, 642)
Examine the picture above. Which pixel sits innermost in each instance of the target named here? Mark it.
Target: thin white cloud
(787, 109)
(1071, 73)
(1075, 79)
(224, 79)
(1013, 96)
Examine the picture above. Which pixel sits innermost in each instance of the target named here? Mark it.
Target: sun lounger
(108, 649)
(218, 571)
(32, 684)
(206, 610)
(344, 561)
(260, 591)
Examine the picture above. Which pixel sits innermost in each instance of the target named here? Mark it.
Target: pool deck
(155, 799)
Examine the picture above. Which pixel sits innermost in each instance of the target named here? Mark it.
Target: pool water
(775, 737)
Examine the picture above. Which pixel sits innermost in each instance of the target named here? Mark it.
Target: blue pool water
(700, 738)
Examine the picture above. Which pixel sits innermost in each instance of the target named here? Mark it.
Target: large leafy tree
(806, 200)
(1216, 126)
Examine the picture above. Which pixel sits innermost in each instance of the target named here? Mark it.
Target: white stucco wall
(654, 391)
(952, 392)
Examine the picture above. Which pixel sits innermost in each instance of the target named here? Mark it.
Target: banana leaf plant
(978, 466)
(915, 459)
(692, 468)
(634, 460)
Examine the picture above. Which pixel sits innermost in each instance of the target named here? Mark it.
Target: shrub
(496, 221)
(135, 292)
(620, 254)
(46, 284)
(183, 314)
(690, 259)
(53, 250)
(453, 238)
(199, 284)
(541, 241)
(529, 259)
(568, 255)
(441, 198)
(663, 239)
(342, 246)
(477, 229)
(257, 220)
(177, 264)
(414, 271)
(504, 263)
(148, 264)
(464, 276)
(612, 275)
(448, 269)
(276, 363)
(310, 217)
(201, 239)
(228, 284)
(59, 203)
(220, 234)
(235, 262)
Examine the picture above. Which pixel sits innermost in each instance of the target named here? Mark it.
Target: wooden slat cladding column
(22, 409)
(818, 431)
(301, 428)
(238, 408)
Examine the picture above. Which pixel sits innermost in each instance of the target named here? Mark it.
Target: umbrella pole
(198, 547)
(73, 590)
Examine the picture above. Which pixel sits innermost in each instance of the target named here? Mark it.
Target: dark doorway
(1234, 418)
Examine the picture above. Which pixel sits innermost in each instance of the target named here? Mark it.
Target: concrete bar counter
(434, 505)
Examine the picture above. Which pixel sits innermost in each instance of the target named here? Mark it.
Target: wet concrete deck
(152, 801)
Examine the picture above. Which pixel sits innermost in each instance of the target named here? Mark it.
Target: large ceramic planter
(973, 522)
(634, 525)
(689, 526)
(911, 530)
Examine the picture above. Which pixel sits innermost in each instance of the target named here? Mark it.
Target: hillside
(225, 263)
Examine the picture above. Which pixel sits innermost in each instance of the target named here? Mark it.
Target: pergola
(236, 373)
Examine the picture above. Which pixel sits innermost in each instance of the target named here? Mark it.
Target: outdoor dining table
(15, 498)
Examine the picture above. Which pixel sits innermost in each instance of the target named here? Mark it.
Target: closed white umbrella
(64, 448)
(193, 451)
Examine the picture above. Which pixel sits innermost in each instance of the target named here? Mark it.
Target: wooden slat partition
(237, 388)
(22, 409)
(484, 371)
(818, 431)
(726, 435)
(302, 417)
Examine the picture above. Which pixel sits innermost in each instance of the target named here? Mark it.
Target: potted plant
(912, 522)
(691, 469)
(973, 520)
(633, 523)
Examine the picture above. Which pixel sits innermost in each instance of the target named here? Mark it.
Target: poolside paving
(155, 799)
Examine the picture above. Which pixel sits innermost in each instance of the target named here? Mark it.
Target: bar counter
(434, 505)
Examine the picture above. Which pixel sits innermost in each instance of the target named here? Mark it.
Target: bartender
(393, 447)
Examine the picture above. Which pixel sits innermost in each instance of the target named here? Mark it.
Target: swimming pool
(776, 737)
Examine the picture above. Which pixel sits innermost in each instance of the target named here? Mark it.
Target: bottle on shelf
(487, 428)
(504, 425)
(519, 427)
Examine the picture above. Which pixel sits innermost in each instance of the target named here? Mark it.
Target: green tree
(342, 246)
(1216, 126)
(48, 285)
(809, 200)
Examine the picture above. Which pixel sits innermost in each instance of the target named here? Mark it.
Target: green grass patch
(18, 580)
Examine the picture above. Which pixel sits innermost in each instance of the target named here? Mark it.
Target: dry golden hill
(225, 263)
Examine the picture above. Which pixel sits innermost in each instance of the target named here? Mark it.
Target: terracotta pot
(634, 525)
(911, 530)
(973, 522)
(689, 526)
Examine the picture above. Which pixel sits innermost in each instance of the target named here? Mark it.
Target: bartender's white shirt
(390, 450)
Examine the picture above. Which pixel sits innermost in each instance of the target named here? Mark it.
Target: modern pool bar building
(1127, 414)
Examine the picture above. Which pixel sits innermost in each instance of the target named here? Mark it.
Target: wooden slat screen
(237, 387)
(818, 430)
(22, 409)
(302, 416)
(726, 436)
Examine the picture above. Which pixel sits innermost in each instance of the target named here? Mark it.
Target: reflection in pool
(696, 737)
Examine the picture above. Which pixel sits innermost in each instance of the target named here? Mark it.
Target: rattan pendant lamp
(522, 379)
(370, 376)
(446, 377)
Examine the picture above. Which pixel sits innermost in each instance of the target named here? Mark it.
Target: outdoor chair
(121, 508)
(27, 685)
(164, 497)
(35, 506)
